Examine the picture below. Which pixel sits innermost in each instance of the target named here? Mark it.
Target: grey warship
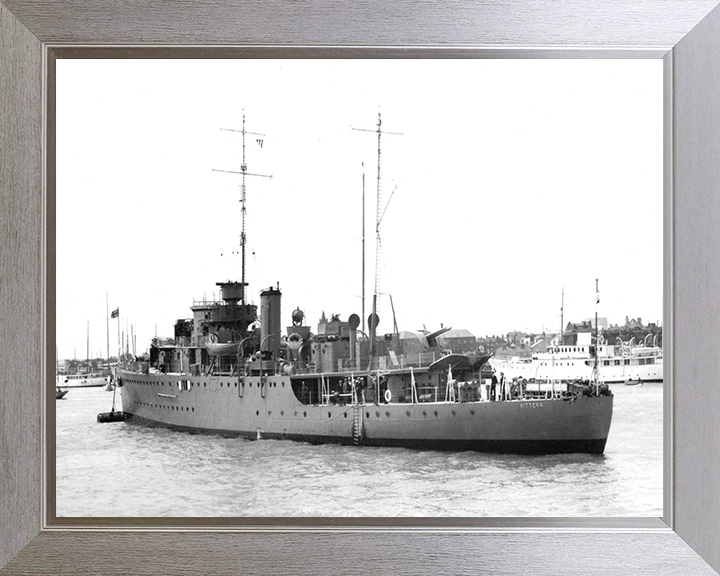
(232, 371)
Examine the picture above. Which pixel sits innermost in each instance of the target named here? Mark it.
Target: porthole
(235, 384)
(377, 414)
(329, 414)
(221, 384)
(269, 412)
(387, 414)
(472, 412)
(282, 412)
(436, 413)
(193, 409)
(407, 413)
(304, 414)
(257, 412)
(424, 413)
(367, 414)
(345, 414)
(453, 412)
(283, 384)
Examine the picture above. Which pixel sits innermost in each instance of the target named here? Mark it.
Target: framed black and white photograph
(434, 223)
(294, 299)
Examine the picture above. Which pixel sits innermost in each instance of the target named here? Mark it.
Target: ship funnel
(270, 321)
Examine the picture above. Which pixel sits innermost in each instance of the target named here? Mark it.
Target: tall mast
(244, 173)
(597, 301)
(596, 368)
(378, 243)
(378, 218)
(243, 210)
(362, 312)
(87, 352)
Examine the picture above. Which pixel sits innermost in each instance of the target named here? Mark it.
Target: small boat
(224, 349)
(637, 382)
(81, 380)
(60, 393)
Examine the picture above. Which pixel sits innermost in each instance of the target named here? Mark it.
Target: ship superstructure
(325, 387)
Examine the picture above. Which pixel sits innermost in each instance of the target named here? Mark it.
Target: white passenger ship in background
(90, 380)
(618, 363)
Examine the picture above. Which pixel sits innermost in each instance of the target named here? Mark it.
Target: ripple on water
(128, 470)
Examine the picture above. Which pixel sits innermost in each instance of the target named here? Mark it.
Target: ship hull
(524, 446)
(255, 407)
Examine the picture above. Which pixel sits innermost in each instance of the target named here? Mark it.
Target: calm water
(127, 470)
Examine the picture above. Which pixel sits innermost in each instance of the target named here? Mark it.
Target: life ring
(548, 395)
(388, 396)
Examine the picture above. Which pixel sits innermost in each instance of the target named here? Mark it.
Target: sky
(507, 183)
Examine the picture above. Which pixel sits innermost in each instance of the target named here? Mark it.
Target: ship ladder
(358, 431)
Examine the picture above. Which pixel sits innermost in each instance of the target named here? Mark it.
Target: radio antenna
(378, 217)
(244, 173)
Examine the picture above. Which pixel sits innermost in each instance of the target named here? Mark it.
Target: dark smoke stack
(270, 321)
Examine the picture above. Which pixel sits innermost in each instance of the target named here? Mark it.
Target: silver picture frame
(685, 34)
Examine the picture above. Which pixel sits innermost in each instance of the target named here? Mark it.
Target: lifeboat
(225, 349)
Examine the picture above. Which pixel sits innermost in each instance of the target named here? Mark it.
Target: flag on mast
(115, 313)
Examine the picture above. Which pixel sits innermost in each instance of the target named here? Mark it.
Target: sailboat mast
(87, 351)
(562, 320)
(107, 321)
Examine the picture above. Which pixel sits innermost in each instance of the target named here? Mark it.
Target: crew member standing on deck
(493, 387)
(503, 395)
